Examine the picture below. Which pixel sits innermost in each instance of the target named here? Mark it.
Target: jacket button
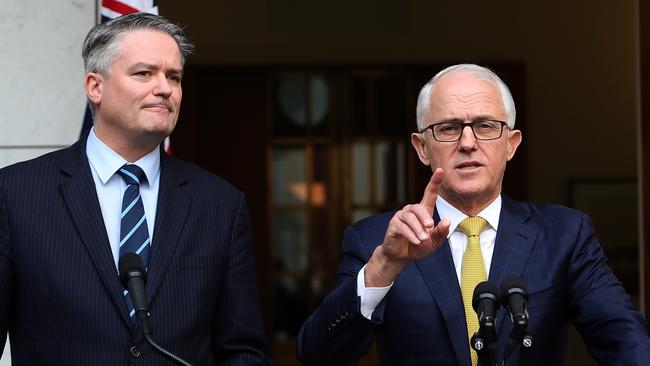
(135, 352)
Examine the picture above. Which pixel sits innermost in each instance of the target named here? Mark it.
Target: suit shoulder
(202, 179)
(553, 211)
(43, 164)
(545, 214)
(374, 224)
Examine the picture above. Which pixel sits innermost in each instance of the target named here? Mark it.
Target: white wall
(41, 95)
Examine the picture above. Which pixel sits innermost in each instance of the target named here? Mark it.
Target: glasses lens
(452, 131)
(447, 131)
(487, 130)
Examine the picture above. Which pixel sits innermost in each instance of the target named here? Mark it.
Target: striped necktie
(134, 234)
(472, 273)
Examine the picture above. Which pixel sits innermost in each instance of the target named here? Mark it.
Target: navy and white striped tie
(134, 234)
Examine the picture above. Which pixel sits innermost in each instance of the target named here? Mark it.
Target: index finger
(431, 191)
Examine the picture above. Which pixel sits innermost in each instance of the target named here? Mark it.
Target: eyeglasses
(485, 129)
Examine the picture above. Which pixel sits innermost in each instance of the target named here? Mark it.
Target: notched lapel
(173, 206)
(513, 246)
(440, 277)
(80, 196)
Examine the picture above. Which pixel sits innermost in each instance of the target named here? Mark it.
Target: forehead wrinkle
(478, 102)
(466, 104)
(470, 99)
(145, 65)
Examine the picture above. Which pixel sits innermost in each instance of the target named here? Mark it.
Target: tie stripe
(144, 245)
(136, 227)
(129, 207)
(134, 233)
(472, 273)
(131, 175)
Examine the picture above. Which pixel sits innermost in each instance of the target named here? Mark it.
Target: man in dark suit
(406, 278)
(64, 223)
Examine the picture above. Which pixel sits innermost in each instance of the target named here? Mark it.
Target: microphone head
(130, 265)
(513, 285)
(484, 290)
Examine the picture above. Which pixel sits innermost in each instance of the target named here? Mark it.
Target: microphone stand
(485, 342)
(518, 337)
(133, 276)
(526, 342)
(487, 352)
(143, 317)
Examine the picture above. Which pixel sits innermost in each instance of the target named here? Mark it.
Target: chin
(472, 191)
(161, 128)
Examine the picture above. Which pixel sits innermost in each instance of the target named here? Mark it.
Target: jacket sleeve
(6, 273)
(336, 333)
(239, 336)
(613, 330)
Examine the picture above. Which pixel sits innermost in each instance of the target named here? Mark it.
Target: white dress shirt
(104, 164)
(371, 296)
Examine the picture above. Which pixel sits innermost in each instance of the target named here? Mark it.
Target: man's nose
(467, 138)
(163, 88)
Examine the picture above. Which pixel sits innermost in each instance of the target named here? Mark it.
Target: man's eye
(486, 125)
(143, 73)
(448, 128)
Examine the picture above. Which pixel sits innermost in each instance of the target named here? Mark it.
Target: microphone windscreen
(513, 285)
(128, 264)
(483, 290)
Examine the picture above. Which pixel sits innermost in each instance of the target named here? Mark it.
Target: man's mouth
(158, 107)
(469, 165)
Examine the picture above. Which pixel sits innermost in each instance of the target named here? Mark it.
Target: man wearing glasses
(407, 278)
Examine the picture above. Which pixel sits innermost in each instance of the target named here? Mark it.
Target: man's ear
(419, 144)
(514, 139)
(94, 83)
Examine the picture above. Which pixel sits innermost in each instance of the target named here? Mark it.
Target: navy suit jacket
(60, 297)
(421, 321)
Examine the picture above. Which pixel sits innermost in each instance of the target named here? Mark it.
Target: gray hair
(481, 72)
(101, 46)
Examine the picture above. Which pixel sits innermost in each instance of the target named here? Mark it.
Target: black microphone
(486, 303)
(133, 277)
(514, 297)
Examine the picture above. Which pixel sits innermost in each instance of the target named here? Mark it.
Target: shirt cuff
(370, 296)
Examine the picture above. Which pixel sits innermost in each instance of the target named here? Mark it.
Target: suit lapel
(440, 277)
(172, 209)
(513, 245)
(512, 248)
(80, 196)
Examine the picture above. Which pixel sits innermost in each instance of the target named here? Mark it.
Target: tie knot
(132, 174)
(472, 226)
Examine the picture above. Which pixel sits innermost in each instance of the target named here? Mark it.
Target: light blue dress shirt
(104, 163)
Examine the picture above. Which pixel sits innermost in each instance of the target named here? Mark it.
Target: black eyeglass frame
(462, 127)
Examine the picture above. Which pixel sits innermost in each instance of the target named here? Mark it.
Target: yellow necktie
(472, 273)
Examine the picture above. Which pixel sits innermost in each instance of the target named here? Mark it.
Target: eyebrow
(147, 66)
(460, 120)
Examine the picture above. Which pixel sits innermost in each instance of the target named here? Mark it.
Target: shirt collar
(106, 162)
(455, 216)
